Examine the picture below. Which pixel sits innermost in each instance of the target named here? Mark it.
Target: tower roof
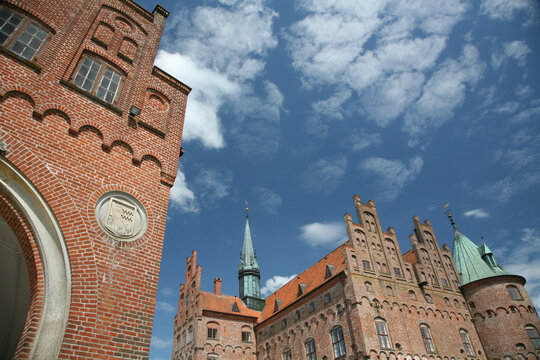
(248, 259)
(473, 262)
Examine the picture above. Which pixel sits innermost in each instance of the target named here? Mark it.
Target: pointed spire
(248, 259)
(472, 262)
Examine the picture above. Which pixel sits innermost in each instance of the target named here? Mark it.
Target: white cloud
(165, 307)
(393, 175)
(517, 50)
(160, 343)
(476, 213)
(503, 189)
(221, 53)
(182, 197)
(325, 174)
(532, 236)
(361, 139)
(507, 9)
(443, 92)
(275, 283)
(323, 234)
(270, 200)
(213, 184)
(167, 291)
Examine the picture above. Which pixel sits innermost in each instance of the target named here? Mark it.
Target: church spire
(249, 275)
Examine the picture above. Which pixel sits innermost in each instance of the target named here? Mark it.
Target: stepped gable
(224, 304)
(313, 277)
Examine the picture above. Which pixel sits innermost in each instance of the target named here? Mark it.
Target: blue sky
(298, 105)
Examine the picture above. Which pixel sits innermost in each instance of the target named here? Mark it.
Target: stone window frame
(427, 338)
(19, 30)
(466, 340)
(338, 342)
(366, 265)
(96, 84)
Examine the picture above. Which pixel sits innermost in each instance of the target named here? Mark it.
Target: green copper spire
(249, 275)
(473, 262)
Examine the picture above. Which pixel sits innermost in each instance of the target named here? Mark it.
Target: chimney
(217, 286)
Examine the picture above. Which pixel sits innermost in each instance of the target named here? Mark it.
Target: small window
(369, 288)
(412, 295)
(312, 307)
(20, 35)
(456, 303)
(338, 342)
(297, 315)
(246, 336)
(382, 334)
(466, 342)
(366, 265)
(444, 282)
(212, 333)
(426, 336)
(397, 272)
(98, 79)
(184, 338)
(533, 335)
(190, 334)
(447, 301)
(311, 352)
(472, 305)
(389, 291)
(327, 298)
(514, 292)
(428, 298)
(287, 355)
(187, 299)
(284, 322)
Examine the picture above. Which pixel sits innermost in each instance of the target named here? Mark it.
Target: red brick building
(90, 137)
(366, 300)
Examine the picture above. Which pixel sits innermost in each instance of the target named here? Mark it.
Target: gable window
(20, 35)
(466, 342)
(212, 333)
(338, 342)
(382, 334)
(311, 352)
(287, 355)
(190, 334)
(533, 335)
(366, 264)
(246, 336)
(98, 79)
(514, 293)
(426, 336)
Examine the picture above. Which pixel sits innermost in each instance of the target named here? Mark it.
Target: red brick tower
(502, 311)
(90, 135)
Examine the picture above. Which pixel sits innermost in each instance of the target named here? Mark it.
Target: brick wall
(74, 148)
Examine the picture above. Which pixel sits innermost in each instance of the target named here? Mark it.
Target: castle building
(90, 136)
(366, 299)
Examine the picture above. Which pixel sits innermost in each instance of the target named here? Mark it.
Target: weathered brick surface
(74, 148)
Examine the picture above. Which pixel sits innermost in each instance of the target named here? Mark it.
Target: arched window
(287, 355)
(184, 338)
(412, 295)
(368, 286)
(426, 336)
(389, 291)
(212, 330)
(456, 303)
(533, 335)
(311, 352)
(338, 342)
(355, 261)
(447, 301)
(297, 315)
(190, 334)
(466, 342)
(382, 333)
(428, 298)
(514, 292)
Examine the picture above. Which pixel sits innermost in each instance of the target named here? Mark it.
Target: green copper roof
(248, 259)
(473, 262)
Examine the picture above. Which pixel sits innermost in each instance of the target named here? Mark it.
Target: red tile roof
(313, 277)
(410, 257)
(223, 304)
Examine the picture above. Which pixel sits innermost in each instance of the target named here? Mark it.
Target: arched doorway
(49, 313)
(15, 285)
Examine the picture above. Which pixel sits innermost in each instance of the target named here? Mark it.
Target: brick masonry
(74, 148)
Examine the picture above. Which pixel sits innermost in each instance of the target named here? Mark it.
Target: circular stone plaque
(121, 216)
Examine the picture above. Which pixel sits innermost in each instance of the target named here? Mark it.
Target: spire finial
(247, 209)
(448, 213)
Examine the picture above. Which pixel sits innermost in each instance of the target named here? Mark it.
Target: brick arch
(16, 92)
(57, 111)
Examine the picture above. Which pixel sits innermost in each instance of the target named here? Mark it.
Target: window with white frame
(20, 35)
(338, 342)
(100, 80)
(382, 334)
(426, 337)
(466, 342)
(311, 352)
